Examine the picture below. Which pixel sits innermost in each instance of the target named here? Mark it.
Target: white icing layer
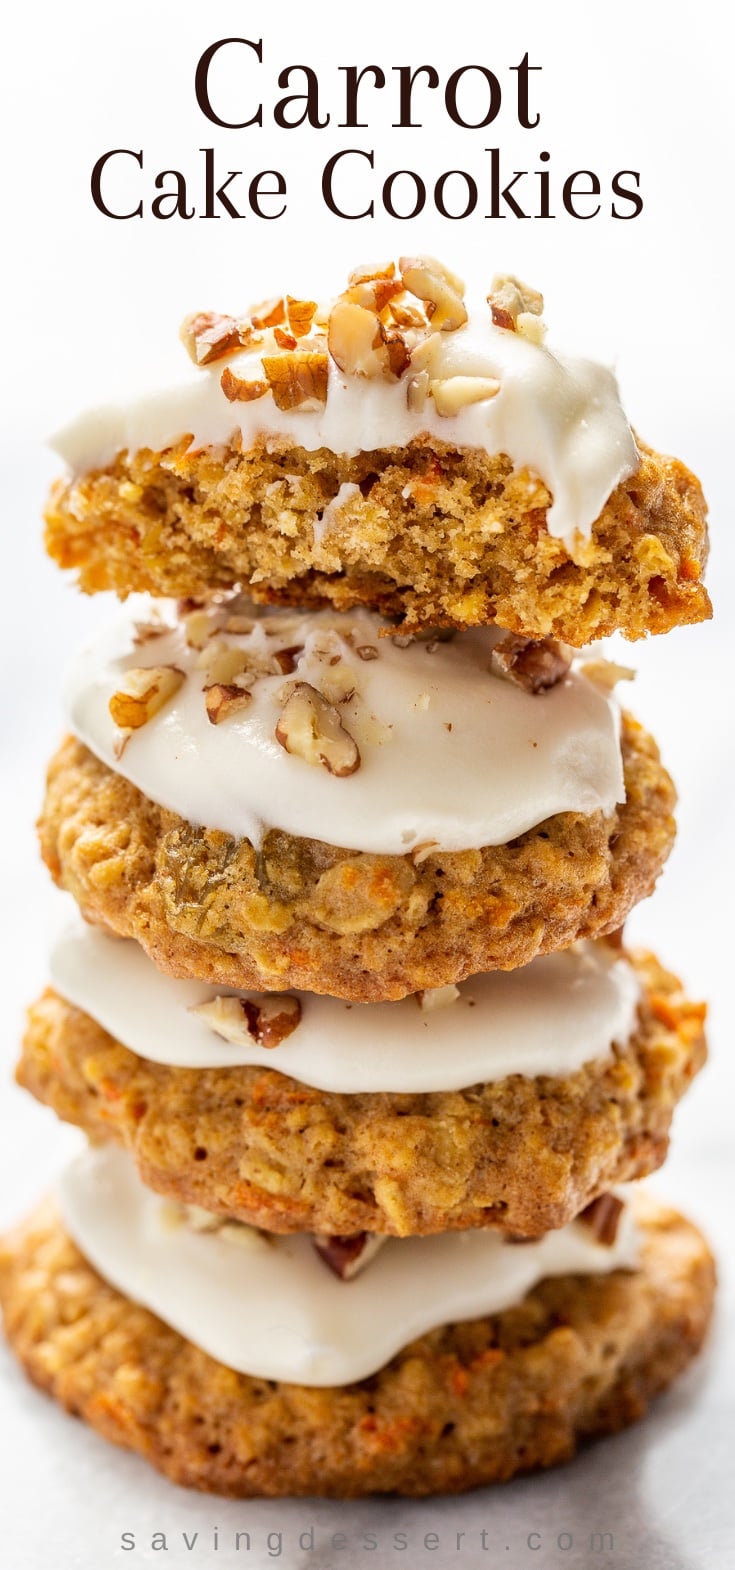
(270, 1308)
(450, 754)
(559, 417)
(558, 1013)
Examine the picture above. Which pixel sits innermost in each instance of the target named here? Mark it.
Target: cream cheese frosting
(558, 1013)
(267, 1306)
(452, 756)
(557, 416)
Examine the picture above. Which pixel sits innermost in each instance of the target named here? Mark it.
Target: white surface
(508, 760)
(635, 86)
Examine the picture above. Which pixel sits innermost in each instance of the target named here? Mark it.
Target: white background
(88, 306)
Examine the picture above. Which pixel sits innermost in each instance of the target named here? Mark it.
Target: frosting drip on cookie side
(315, 725)
(558, 1013)
(558, 417)
(268, 1307)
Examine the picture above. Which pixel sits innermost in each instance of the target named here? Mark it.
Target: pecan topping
(270, 313)
(311, 728)
(143, 693)
(208, 336)
(387, 323)
(417, 392)
(283, 339)
(441, 289)
(407, 315)
(346, 1256)
(452, 393)
(223, 699)
(198, 628)
(535, 664)
(238, 390)
(221, 662)
(369, 271)
(374, 294)
(286, 658)
(266, 1020)
(297, 378)
(300, 314)
(516, 307)
(397, 352)
(361, 346)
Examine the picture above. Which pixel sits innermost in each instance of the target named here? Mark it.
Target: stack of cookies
(355, 821)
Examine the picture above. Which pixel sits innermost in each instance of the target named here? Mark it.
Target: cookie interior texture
(360, 926)
(522, 1154)
(434, 535)
(465, 1405)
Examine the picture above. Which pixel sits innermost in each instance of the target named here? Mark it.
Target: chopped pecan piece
(143, 693)
(311, 728)
(452, 393)
(347, 1256)
(199, 627)
(397, 352)
(406, 315)
(238, 390)
(501, 317)
(417, 392)
(223, 699)
(268, 1020)
(442, 291)
(226, 663)
(374, 294)
(270, 313)
(535, 664)
(208, 337)
(355, 341)
(300, 315)
(286, 658)
(369, 271)
(602, 1216)
(298, 378)
(516, 307)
